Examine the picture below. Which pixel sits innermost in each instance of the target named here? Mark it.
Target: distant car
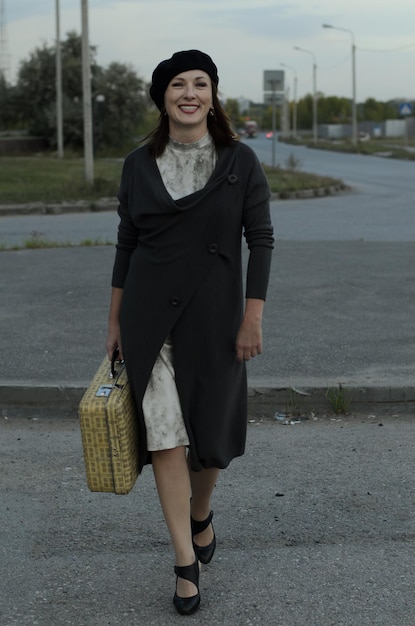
(251, 129)
(269, 135)
(364, 136)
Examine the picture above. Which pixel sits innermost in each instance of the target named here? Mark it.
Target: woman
(176, 313)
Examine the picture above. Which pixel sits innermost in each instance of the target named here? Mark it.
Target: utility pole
(314, 90)
(354, 104)
(4, 48)
(273, 86)
(294, 126)
(295, 108)
(59, 114)
(87, 97)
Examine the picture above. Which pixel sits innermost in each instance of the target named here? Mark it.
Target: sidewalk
(314, 523)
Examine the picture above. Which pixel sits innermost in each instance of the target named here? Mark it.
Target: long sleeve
(258, 232)
(127, 231)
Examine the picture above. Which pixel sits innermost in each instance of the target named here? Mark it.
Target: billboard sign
(274, 98)
(273, 80)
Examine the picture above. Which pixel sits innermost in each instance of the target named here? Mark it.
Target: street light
(314, 90)
(295, 98)
(59, 114)
(354, 111)
(86, 94)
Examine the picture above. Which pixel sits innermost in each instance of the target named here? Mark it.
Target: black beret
(180, 62)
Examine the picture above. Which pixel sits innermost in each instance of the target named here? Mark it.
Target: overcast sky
(244, 38)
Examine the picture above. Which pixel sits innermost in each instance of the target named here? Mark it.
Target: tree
(334, 110)
(305, 112)
(6, 104)
(119, 104)
(232, 109)
(116, 111)
(375, 111)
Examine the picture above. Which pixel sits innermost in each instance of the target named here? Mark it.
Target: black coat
(179, 263)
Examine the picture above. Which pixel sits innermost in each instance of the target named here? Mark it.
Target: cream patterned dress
(184, 169)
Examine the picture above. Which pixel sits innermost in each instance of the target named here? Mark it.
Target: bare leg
(202, 484)
(173, 485)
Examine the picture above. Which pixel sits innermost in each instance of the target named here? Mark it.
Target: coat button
(232, 179)
(175, 300)
(213, 248)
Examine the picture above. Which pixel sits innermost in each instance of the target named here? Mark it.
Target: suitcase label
(104, 391)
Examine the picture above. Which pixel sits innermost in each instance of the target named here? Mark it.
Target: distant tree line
(122, 110)
(119, 98)
(330, 110)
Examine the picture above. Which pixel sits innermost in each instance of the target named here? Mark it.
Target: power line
(336, 65)
(360, 49)
(410, 45)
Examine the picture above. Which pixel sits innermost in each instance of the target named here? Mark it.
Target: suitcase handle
(114, 373)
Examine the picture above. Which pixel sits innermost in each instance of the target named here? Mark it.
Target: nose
(189, 91)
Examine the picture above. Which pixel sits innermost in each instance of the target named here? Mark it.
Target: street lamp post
(86, 91)
(294, 97)
(274, 124)
(354, 106)
(314, 90)
(59, 114)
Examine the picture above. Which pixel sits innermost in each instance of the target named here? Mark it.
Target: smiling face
(188, 99)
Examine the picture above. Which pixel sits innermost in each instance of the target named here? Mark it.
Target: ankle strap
(199, 527)
(188, 572)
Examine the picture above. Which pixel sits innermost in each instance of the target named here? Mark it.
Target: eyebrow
(196, 78)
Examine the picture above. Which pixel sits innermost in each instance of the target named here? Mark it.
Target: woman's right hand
(114, 342)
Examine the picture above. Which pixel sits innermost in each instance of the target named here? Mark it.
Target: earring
(212, 112)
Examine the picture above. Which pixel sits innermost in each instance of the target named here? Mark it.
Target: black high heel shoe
(203, 553)
(187, 606)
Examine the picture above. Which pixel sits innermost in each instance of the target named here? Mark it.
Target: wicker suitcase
(109, 431)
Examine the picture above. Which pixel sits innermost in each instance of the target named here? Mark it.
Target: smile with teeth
(188, 108)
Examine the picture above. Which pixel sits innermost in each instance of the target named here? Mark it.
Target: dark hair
(219, 126)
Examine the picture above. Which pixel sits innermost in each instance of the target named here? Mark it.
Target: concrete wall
(388, 128)
(12, 146)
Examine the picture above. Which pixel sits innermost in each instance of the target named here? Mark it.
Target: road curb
(111, 204)
(307, 194)
(263, 401)
(42, 208)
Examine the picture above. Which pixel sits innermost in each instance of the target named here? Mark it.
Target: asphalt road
(341, 303)
(315, 527)
(315, 523)
(379, 207)
(379, 176)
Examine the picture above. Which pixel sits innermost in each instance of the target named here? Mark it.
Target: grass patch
(51, 180)
(339, 400)
(281, 181)
(37, 241)
(393, 148)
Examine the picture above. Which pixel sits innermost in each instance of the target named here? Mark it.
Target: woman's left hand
(249, 339)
